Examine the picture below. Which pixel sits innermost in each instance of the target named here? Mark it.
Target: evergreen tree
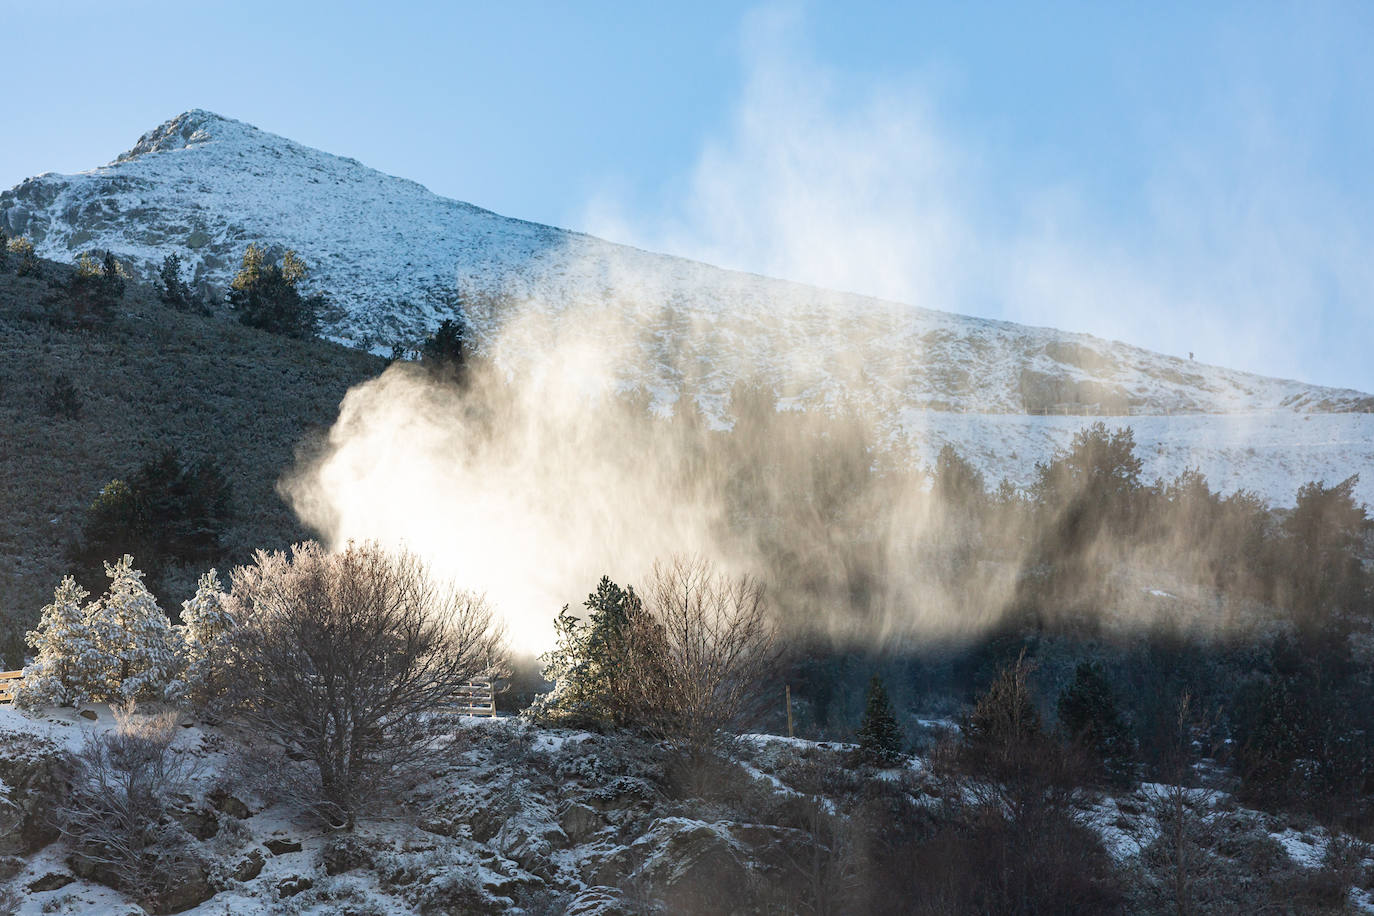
(165, 512)
(1323, 533)
(1088, 714)
(445, 351)
(880, 736)
(587, 666)
(266, 295)
(67, 665)
(173, 290)
(26, 259)
(133, 637)
(1004, 736)
(203, 640)
(4, 251)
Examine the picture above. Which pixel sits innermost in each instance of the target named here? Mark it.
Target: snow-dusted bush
(115, 817)
(68, 666)
(133, 639)
(204, 640)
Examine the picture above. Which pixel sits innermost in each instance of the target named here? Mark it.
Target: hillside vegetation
(150, 378)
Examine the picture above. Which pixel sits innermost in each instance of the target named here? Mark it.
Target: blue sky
(1187, 177)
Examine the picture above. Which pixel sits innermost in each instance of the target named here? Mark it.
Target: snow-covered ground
(395, 259)
(1271, 453)
(554, 819)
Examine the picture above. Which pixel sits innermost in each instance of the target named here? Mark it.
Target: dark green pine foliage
(173, 290)
(445, 351)
(880, 736)
(166, 512)
(265, 294)
(1089, 716)
(588, 664)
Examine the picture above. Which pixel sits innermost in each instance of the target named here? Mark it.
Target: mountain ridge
(396, 259)
(416, 258)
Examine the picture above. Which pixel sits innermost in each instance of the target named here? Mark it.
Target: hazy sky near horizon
(1185, 177)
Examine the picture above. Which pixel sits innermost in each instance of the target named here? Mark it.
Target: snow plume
(549, 470)
(591, 445)
(1232, 243)
(525, 489)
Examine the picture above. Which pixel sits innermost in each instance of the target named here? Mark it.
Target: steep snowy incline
(396, 259)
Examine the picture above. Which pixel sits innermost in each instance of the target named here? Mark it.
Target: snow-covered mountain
(395, 260)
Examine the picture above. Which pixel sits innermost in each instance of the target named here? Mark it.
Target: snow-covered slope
(396, 259)
(392, 255)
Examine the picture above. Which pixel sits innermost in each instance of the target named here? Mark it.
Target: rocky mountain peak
(188, 129)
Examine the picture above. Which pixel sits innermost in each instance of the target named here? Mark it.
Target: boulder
(345, 853)
(9, 867)
(201, 823)
(580, 822)
(184, 886)
(89, 714)
(293, 885)
(598, 901)
(281, 845)
(50, 882)
(223, 801)
(692, 866)
(34, 774)
(250, 866)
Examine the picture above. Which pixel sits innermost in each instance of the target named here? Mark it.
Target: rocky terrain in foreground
(527, 820)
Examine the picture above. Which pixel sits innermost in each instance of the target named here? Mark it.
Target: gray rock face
(204, 186)
(281, 845)
(35, 774)
(580, 822)
(693, 867)
(250, 866)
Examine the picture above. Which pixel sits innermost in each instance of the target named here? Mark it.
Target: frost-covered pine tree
(134, 636)
(67, 664)
(203, 639)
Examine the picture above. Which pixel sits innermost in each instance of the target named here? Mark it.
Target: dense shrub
(688, 662)
(63, 400)
(445, 351)
(23, 257)
(166, 512)
(94, 290)
(116, 818)
(590, 666)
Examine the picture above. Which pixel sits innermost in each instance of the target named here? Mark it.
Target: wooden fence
(475, 698)
(9, 683)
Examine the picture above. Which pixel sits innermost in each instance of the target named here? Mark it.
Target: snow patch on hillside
(396, 260)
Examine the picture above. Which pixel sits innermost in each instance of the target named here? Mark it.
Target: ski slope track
(395, 260)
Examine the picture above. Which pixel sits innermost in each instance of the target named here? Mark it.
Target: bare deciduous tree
(703, 653)
(343, 659)
(115, 818)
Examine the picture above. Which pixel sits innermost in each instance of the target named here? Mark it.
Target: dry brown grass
(150, 378)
